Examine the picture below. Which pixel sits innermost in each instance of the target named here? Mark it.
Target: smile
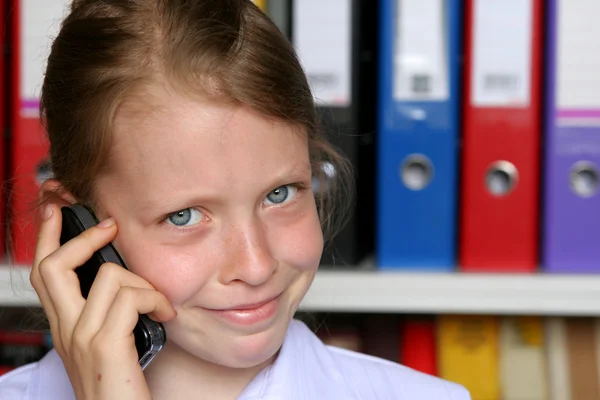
(248, 314)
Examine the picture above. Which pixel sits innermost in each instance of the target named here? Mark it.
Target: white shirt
(306, 369)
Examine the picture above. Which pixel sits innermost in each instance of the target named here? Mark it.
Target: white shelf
(15, 289)
(446, 293)
(408, 292)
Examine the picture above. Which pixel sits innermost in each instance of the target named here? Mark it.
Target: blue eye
(282, 194)
(184, 217)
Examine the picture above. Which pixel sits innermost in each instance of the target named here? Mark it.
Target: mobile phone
(150, 336)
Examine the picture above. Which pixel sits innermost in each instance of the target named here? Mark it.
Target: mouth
(252, 306)
(249, 313)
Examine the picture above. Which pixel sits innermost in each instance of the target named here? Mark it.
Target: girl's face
(214, 208)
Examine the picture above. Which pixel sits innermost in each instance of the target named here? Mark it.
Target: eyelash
(299, 186)
(164, 220)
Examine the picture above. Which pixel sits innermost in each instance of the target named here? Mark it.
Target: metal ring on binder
(501, 178)
(416, 171)
(584, 179)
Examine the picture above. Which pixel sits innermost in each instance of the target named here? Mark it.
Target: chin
(232, 348)
(246, 351)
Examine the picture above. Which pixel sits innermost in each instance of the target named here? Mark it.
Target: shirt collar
(303, 369)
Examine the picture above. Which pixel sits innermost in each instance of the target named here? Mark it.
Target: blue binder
(418, 134)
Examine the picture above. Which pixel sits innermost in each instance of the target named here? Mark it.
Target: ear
(52, 191)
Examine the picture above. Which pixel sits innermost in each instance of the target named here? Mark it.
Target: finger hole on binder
(584, 179)
(501, 178)
(416, 172)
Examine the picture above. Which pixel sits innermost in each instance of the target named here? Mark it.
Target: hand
(94, 337)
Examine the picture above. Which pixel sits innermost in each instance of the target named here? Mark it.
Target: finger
(109, 281)
(48, 239)
(128, 305)
(57, 270)
(47, 243)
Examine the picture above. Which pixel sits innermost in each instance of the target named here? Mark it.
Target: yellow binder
(262, 4)
(468, 354)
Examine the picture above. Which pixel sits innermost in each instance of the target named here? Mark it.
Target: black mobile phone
(150, 336)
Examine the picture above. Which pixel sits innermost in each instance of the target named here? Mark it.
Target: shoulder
(367, 375)
(14, 384)
(45, 379)
(353, 375)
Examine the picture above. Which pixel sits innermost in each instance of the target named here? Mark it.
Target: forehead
(168, 140)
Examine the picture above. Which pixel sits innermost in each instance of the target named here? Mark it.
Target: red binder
(502, 129)
(28, 140)
(419, 344)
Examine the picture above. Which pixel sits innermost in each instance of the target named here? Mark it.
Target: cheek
(299, 245)
(172, 271)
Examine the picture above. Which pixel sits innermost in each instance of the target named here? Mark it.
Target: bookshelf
(368, 290)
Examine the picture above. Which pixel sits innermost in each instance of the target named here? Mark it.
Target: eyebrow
(297, 172)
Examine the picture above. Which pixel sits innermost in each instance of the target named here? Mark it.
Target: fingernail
(47, 212)
(107, 223)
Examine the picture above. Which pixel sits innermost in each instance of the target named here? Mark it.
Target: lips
(252, 306)
(248, 314)
(246, 306)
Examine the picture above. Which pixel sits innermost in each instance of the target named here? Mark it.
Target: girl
(189, 128)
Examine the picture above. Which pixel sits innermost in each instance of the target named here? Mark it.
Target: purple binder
(571, 225)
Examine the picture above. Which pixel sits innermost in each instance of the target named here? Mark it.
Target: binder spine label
(502, 46)
(577, 84)
(322, 37)
(420, 59)
(39, 23)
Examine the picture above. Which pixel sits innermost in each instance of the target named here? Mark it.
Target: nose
(249, 257)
